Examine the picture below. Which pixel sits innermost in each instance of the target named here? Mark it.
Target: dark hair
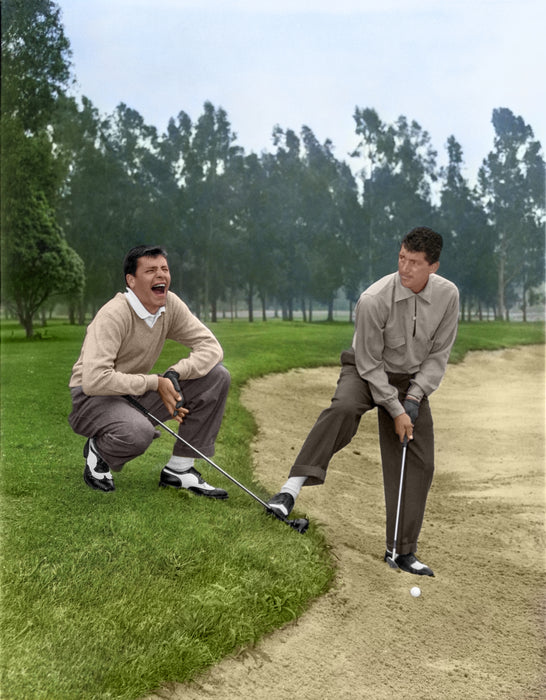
(424, 240)
(140, 251)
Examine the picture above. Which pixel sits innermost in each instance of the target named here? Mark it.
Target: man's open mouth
(159, 288)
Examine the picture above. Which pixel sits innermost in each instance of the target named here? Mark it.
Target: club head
(299, 524)
(392, 563)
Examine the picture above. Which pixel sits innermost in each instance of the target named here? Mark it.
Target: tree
(511, 182)
(36, 73)
(399, 169)
(468, 242)
(289, 229)
(253, 222)
(119, 192)
(35, 62)
(329, 208)
(201, 156)
(39, 259)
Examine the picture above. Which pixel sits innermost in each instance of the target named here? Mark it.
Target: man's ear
(130, 281)
(435, 267)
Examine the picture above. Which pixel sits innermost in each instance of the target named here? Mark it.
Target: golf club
(392, 559)
(298, 524)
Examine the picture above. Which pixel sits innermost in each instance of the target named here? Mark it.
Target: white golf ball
(415, 591)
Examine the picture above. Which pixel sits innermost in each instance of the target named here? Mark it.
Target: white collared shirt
(140, 310)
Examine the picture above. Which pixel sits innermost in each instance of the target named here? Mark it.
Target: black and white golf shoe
(192, 481)
(281, 503)
(410, 564)
(96, 473)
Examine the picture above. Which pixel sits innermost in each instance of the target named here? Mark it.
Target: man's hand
(171, 397)
(403, 427)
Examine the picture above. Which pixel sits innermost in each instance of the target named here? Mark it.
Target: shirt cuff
(416, 392)
(394, 408)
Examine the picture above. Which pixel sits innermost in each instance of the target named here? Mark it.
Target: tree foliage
(292, 227)
(512, 186)
(36, 71)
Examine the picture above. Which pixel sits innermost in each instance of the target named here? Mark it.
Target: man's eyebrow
(155, 267)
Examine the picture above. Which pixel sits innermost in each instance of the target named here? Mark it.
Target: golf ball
(415, 591)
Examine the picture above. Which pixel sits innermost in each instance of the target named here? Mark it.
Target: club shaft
(144, 410)
(400, 489)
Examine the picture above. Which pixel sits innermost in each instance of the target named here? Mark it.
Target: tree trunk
(303, 310)
(250, 304)
(501, 281)
(331, 310)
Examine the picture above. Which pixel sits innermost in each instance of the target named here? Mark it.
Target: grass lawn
(110, 595)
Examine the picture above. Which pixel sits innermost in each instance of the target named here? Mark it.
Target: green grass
(110, 595)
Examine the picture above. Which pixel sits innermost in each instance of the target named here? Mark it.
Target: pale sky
(443, 63)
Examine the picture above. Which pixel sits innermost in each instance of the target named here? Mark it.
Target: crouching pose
(122, 344)
(405, 326)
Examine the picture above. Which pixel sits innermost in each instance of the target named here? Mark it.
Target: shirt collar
(401, 292)
(140, 310)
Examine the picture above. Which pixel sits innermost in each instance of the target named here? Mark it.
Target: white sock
(180, 464)
(293, 486)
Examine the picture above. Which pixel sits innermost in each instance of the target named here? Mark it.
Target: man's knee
(127, 439)
(214, 387)
(220, 376)
(345, 408)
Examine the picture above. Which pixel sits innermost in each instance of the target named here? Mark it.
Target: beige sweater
(120, 349)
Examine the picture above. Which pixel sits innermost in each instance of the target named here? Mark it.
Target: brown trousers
(122, 432)
(337, 425)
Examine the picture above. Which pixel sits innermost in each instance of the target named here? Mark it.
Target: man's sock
(181, 467)
(180, 464)
(293, 486)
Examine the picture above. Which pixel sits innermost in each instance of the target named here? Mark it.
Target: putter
(298, 524)
(392, 559)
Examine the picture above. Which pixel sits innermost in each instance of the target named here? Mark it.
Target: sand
(477, 629)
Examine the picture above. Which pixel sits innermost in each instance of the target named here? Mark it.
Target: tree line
(291, 227)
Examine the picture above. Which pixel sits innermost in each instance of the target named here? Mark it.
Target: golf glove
(174, 376)
(412, 409)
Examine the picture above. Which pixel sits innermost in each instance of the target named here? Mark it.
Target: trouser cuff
(315, 475)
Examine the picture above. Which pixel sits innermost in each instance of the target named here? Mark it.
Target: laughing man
(122, 344)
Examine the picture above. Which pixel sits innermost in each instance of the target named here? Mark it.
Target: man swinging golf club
(405, 326)
(122, 344)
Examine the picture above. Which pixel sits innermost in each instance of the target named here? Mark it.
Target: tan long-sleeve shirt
(402, 332)
(120, 349)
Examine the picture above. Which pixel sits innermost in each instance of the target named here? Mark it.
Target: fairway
(114, 597)
(476, 631)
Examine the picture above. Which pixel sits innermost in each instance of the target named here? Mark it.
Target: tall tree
(289, 234)
(36, 67)
(202, 155)
(253, 234)
(511, 182)
(329, 204)
(468, 241)
(36, 74)
(399, 169)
